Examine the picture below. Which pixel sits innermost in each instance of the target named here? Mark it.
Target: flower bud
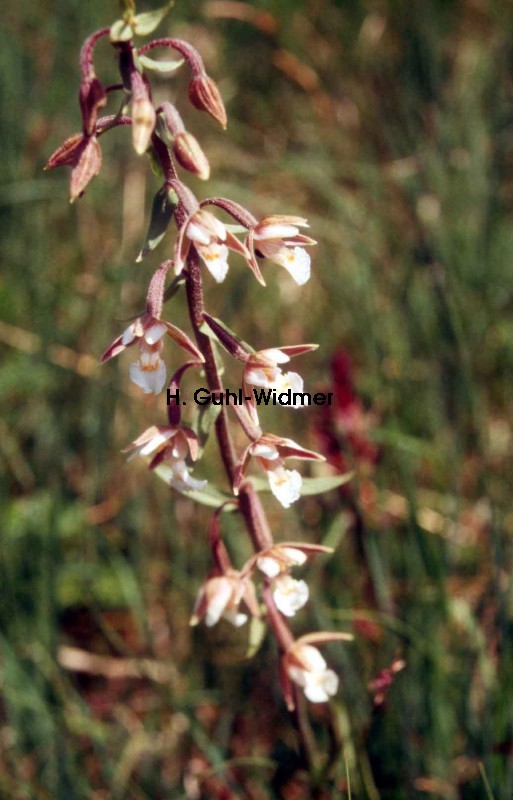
(205, 96)
(190, 155)
(67, 154)
(143, 123)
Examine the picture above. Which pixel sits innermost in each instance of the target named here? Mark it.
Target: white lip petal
(296, 261)
(258, 377)
(285, 485)
(292, 381)
(289, 594)
(235, 618)
(215, 258)
(182, 479)
(150, 380)
(319, 688)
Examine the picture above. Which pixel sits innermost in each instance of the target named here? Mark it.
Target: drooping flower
(262, 370)
(220, 597)
(306, 666)
(270, 452)
(149, 371)
(278, 559)
(303, 664)
(278, 238)
(289, 594)
(171, 444)
(212, 241)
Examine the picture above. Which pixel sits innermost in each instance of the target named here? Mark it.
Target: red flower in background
(343, 427)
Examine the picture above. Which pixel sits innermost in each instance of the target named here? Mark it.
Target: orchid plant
(263, 587)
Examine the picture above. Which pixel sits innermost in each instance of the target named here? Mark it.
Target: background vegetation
(389, 124)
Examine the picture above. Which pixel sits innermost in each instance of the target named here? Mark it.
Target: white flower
(149, 371)
(170, 444)
(223, 602)
(262, 370)
(212, 241)
(285, 484)
(220, 597)
(182, 480)
(289, 594)
(277, 238)
(278, 559)
(270, 452)
(308, 669)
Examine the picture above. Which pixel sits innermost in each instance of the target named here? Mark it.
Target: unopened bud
(67, 154)
(87, 166)
(143, 123)
(204, 95)
(190, 155)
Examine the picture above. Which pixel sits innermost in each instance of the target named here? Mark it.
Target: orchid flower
(303, 664)
(171, 444)
(149, 371)
(306, 666)
(262, 370)
(212, 241)
(270, 452)
(220, 597)
(277, 238)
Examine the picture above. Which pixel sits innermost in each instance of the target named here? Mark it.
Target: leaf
(209, 496)
(162, 130)
(163, 67)
(235, 228)
(175, 285)
(121, 31)
(146, 22)
(204, 421)
(164, 203)
(218, 331)
(310, 486)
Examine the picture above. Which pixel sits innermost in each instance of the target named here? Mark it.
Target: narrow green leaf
(310, 486)
(164, 203)
(163, 67)
(121, 31)
(204, 421)
(146, 22)
(235, 228)
(209, 496)
(176, 284)
(163, 131)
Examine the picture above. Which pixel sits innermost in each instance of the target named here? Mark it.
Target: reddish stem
(86, 54)
(249, 502)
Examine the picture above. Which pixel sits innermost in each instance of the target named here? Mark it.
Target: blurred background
(389, 125)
